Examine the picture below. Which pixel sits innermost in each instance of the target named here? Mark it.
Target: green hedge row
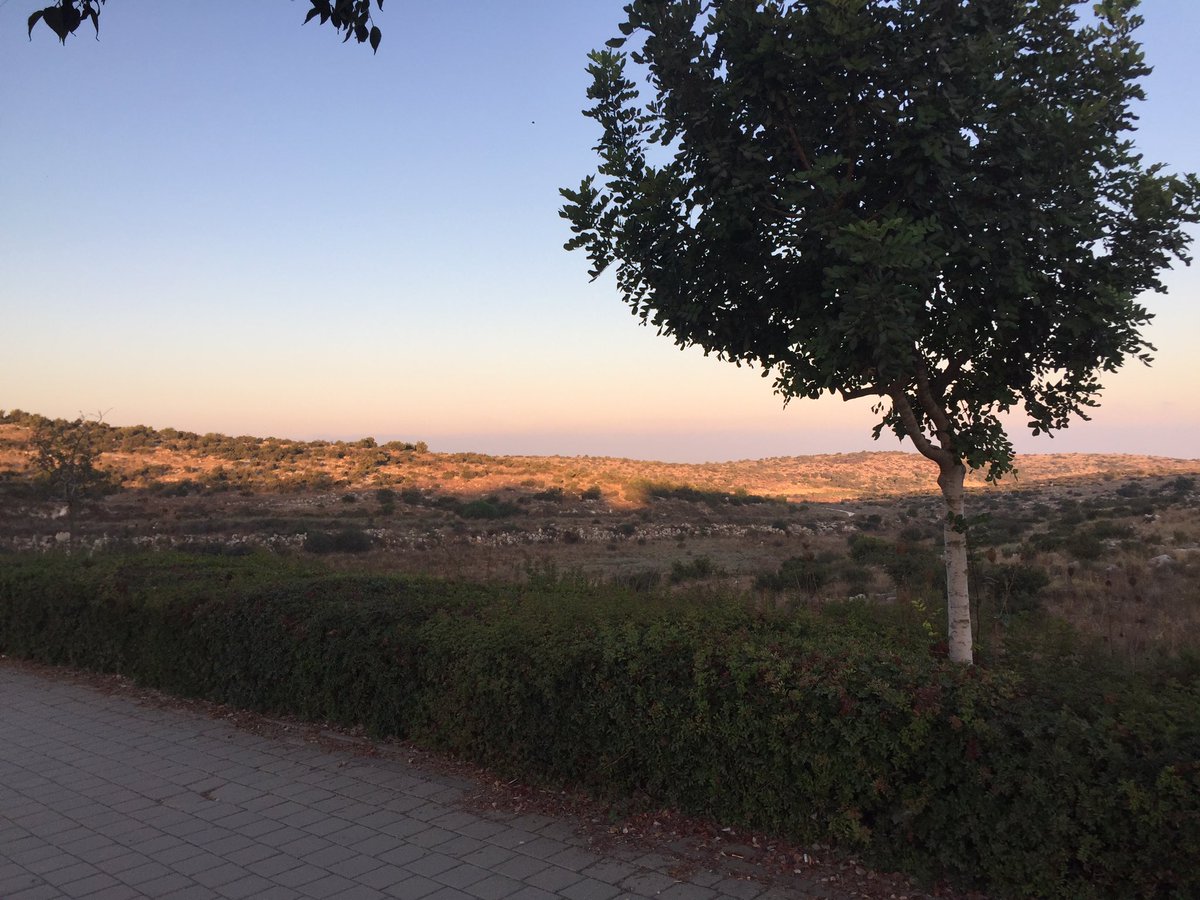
(843, 726)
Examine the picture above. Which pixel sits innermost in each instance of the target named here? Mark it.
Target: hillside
(183, 462)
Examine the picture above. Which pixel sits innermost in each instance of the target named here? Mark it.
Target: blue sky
(216, 219)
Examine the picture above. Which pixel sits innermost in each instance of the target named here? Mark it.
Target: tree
(66, 453)
(930, 202)
(352, 18)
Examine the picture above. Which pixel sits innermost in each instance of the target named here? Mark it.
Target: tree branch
(944, 458)
(872, 391)
(954, 368)
(804, 161)
(942, 426)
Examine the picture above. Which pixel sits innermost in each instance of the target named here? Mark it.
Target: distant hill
(171, 460)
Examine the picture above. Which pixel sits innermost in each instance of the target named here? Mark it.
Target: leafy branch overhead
(351, 18)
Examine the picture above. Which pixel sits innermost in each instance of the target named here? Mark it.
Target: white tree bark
(958, 602)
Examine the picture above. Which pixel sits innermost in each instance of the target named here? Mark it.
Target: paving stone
(461, 875)
(553, 878)
(739, 888)
(15, 882)
(247, 886)
(299, 875)
(350, 835)
(449, 893)
(224, 873)
(494, 887)
(89, 884)
(170, 883)
(649, 883)
(381, 843)
(688, 892)
(359, 892)
(489, 856)
(402, 854)
(64, 875)
(430, 837)
(531, 893)
(705, 878)
(116, 891)
(610, 870)
(414, 888)
(382, 876)
(326, 887)
(431, 864)
(273, 865)
(355, 866)
(521, 867)
(40, 892)
(573, 858)
(543, 847)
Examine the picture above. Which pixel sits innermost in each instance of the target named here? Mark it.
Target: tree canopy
(351, 18)
(935, 203)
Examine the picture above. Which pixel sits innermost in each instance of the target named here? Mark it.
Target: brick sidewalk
(105, 798)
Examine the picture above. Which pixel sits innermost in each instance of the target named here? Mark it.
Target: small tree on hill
(65, 457)
(930, 202)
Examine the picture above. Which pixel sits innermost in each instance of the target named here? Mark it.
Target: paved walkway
(105, 798)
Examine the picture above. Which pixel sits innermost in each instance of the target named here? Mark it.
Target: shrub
(592, 493)
(870, 550)
(910, 567)
(1111, 530)
(800, 573)
(1181, 485)
(1083, 545)
(696, 570)
(639, 581)
(348, 540)
(689, 494)
(488, 508)
(915, 568)
(1017, 587)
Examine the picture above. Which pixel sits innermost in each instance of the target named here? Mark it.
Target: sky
(215, 219)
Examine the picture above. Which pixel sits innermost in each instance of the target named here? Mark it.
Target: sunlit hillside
(183, 462)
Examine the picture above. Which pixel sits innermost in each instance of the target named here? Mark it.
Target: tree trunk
(958, 601)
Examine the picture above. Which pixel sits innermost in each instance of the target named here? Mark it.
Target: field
(1110, 544)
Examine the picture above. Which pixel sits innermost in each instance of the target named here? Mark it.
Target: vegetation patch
(649, 490)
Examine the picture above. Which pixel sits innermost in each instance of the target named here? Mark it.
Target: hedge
(1029, 779)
